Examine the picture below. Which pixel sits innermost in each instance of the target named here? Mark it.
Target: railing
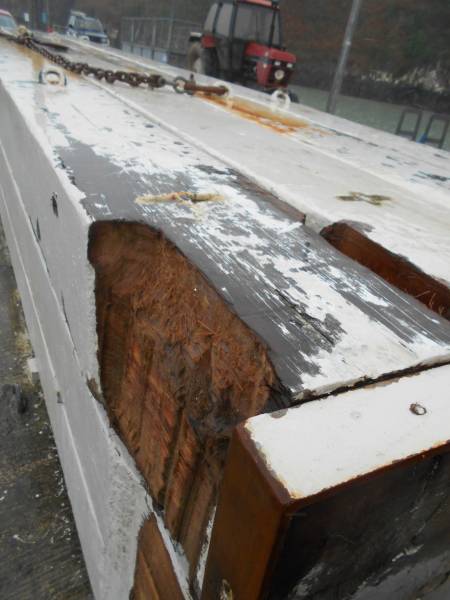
(162, 39)
(409, 127)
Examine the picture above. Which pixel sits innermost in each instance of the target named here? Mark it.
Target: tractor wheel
(210, 62)
(202, 60)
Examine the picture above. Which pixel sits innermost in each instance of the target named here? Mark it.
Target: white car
(7, 22)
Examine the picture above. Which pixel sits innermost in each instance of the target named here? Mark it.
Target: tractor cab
(242, 42)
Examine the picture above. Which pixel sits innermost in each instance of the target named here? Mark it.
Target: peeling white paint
(311, 168)
(83, 114)
(201, 568)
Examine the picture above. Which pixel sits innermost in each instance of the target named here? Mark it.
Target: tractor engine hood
(270, 54)
(274, 67)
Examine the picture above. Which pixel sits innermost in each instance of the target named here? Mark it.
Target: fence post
(171, 25)
(132, 36)
(340, 70)
(153, 39)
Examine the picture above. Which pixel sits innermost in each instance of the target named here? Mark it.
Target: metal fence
(162, 39)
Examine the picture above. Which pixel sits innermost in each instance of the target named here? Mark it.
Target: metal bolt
(418, 409)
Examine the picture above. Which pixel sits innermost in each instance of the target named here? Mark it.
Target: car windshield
(89, 24)
(254, 23)
(7, 22)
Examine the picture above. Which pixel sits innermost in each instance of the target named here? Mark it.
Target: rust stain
(253, 111)
(37, 60)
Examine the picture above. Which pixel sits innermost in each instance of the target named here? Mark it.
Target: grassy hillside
(393, 36)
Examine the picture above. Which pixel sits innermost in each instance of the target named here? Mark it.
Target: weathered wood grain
(198, 512)
(393, 268)
(362, 511)
(249, 520)
(155, 575)
(178, 370)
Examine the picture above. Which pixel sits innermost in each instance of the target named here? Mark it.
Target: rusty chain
(134, 79)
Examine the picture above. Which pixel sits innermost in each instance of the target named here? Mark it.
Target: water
(380, 115)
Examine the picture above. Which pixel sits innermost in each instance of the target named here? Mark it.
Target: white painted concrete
(57, 283)
(106, 492)
(346, 436)
(327, 157)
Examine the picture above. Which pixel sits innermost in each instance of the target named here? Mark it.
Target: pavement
(40, 554)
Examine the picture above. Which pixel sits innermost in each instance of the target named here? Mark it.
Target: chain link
(134, 79)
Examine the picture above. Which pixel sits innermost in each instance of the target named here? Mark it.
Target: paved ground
(40, 555)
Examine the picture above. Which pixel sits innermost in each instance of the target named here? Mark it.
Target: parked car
(7, 22)
(86, 28)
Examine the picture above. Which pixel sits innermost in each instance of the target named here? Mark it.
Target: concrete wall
(56, 284)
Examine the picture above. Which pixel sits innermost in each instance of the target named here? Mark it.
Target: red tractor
(241, 42)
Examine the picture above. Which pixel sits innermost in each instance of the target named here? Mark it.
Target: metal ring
(110, 76)
(46, 75)
(227, 94)
(281, 98)
(179, 85)
(418, 409)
